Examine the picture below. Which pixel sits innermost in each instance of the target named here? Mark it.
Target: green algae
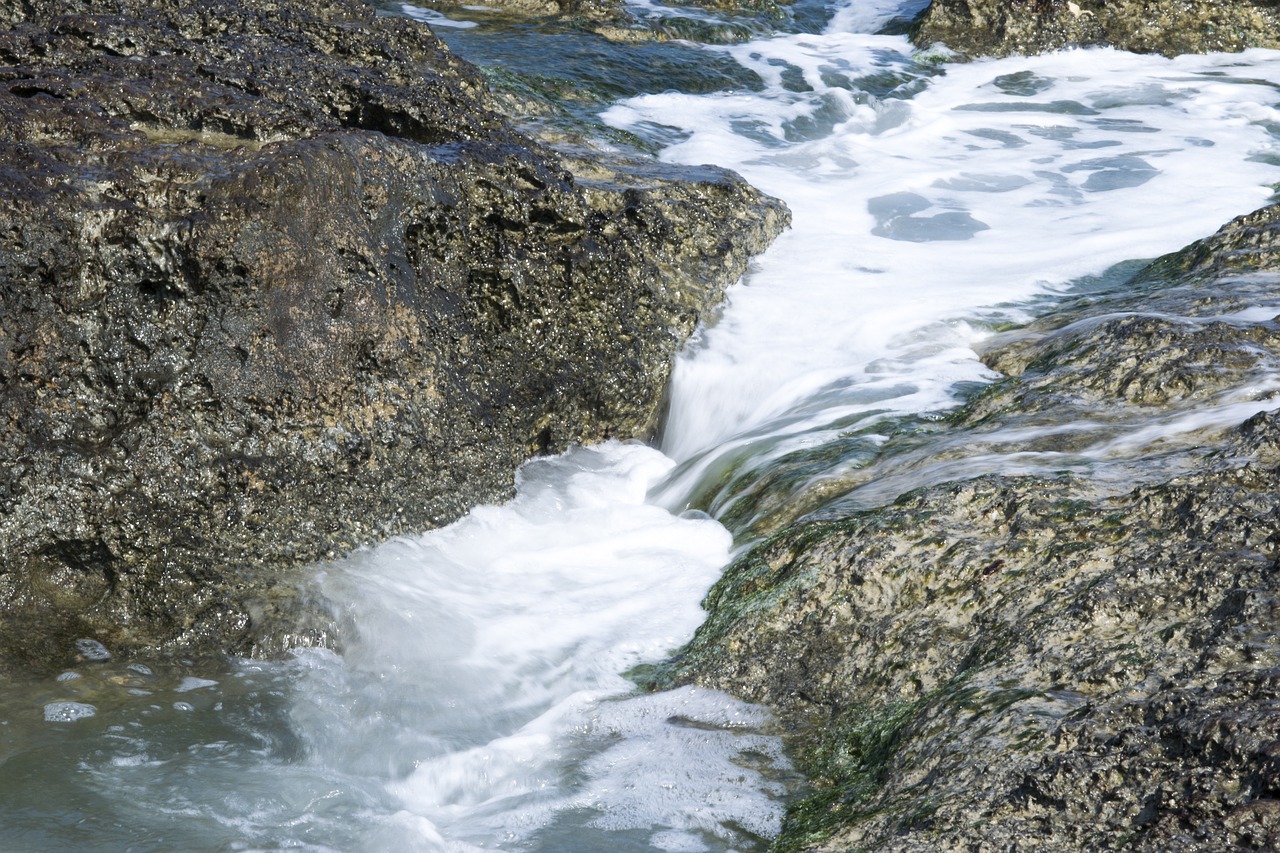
(847, 763)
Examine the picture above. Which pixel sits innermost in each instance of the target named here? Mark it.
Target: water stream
(481, 698)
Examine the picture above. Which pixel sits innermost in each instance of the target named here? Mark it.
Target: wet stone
(1169, 27)
(1051, 661)
(279, 280)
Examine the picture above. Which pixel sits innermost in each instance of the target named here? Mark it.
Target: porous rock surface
(1047, 661)
(1168, 27)
(276, 281)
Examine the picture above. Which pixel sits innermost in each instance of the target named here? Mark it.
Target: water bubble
(92, 650)
(67, 712)
(68, 676)
(183, 706)
(192, 683)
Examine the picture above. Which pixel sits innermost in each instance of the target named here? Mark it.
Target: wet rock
(276, 281)
(1128, 359)
(1177, 333)
(1169, 27)
(1050, 661)
(1246, 244)
(1014, 661)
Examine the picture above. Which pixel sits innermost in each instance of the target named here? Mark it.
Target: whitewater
(485, 695)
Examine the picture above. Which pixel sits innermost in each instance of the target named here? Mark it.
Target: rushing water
(481, 700)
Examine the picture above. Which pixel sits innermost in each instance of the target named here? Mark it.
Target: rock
(1045, 661)
(277, 281)
(1168, 27)
(1171, 336)
(1014, 662)
(591, 12)
(1246, 244)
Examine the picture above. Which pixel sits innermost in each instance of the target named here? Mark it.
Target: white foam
(500, 642)
(190, 683)
(92, 650)
(437, 19)
(68, 712)
(1042, 187)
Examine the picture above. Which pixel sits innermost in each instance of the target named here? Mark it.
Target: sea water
(481, 698)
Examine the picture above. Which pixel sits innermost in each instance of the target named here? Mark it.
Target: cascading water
(480, 701)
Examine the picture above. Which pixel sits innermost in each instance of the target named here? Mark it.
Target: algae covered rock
(1168, 27)
(1179, 333)
(1018, 663)
(1083, 660)
(276, 281)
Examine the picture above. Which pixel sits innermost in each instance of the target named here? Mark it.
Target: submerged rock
(1168, 27)
(276, 281)
(1047, 661)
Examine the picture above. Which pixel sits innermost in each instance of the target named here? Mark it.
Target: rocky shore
(276, 280)
(1070, 660)
(1053, 661)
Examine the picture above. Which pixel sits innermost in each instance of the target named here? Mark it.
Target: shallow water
(481, 698)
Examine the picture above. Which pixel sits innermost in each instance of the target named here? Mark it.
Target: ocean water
(481, 700)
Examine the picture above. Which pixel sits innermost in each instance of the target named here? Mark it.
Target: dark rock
(1169, 27)
(276, 281)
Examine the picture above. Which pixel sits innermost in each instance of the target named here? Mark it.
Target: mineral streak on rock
(1168, 27)
(1044, 662)
(276, 281)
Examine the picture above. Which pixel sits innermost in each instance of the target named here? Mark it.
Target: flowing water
(481, 700)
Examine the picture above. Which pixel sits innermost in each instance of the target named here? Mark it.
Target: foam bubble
(434, 18)
(68, 712)
(485, 658)
(190, 683)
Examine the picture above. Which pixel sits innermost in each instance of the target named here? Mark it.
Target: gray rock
(1044, 662)
(276, 281)
(1169, 27)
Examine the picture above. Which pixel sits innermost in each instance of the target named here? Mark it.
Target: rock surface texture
(275, 281)
(1169, 27)
(1052, 661)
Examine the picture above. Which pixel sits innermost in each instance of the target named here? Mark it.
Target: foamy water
(998, 181)
(480, 699)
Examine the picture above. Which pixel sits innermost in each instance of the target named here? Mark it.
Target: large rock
(1169, 27)
(1047, 662)
(275, 281)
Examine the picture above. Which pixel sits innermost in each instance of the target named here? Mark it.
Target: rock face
(276, 281)
(1169, 27)
(1052, 661)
